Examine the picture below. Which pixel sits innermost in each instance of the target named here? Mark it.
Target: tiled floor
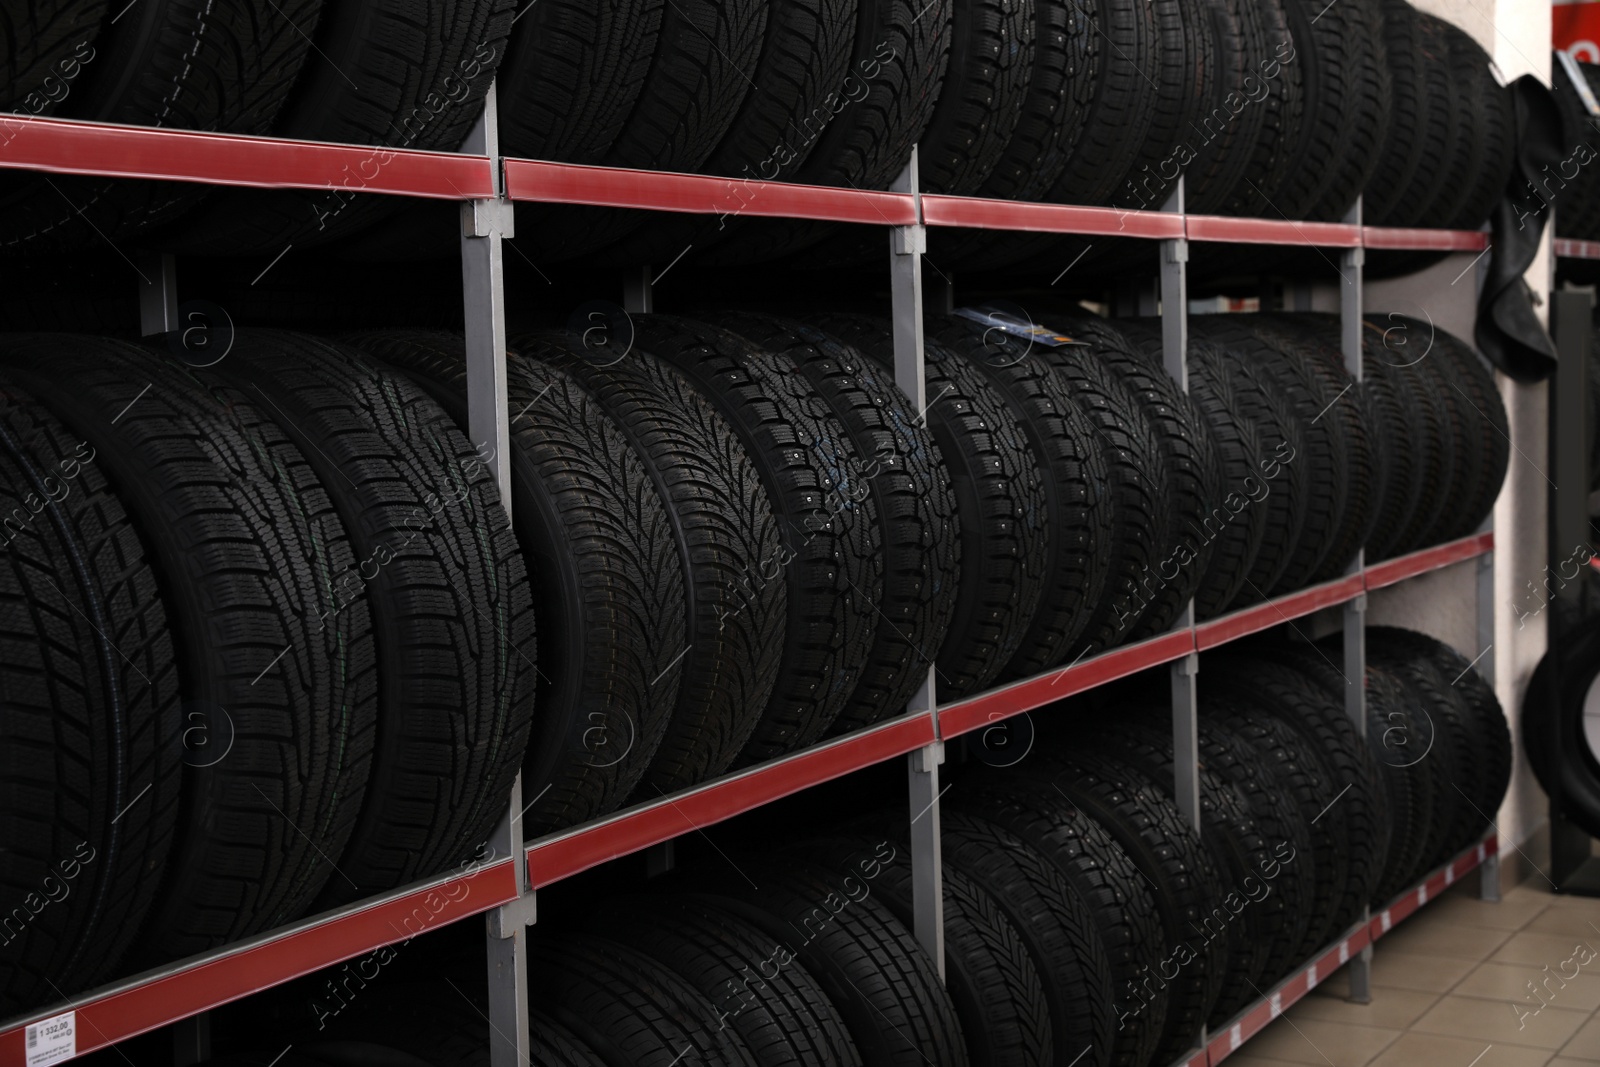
(1450, 989)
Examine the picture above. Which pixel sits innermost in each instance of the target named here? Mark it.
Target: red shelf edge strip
(1258, 617)
(64, 146)
(1400, 237)
(101, 149)
(1048, 218)
(619, 835)
(1391, 571)
(140, 1006)
(565, 183)
(1014, 699)
(1271, 231)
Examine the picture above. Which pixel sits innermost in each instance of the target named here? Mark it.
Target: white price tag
(53, 1040)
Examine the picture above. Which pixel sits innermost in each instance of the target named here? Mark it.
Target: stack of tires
(1084, 919)
(1288, 108)
(269, 647)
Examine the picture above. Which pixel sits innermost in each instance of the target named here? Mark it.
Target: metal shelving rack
(505, 884)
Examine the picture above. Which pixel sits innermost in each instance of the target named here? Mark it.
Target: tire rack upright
(487, 187)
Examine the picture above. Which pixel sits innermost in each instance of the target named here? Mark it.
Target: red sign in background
(1575, 28)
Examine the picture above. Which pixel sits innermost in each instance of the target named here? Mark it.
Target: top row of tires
(1284, 108)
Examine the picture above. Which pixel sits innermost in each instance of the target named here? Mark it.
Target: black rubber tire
(607, 587)
(1343, 402)
(1347, 102)
(1487, 429)
(1553, 731)
(1302, 686)
(1223, 136)
(1493, 120)
(182, 64)
(405, 74)
(1056, 924)
(243, 540)
(995, 983)
(872, 968)
(452, 611)
(43, 47)
(1077, 485)
(1061, 86)
(1122, 109)
(550, 1043)
(572, 74)
(1099, 872)
(784, 1018)
(627, 1007)
(980, 101)
(89, 741)
(1399, 443)
(1193, 472)
(899, 56)
(1239, 845)
(1462, 762)
(1184, 70)
(1137, 477)
(1000, 507)
(902, 469)
(803, 66)
(1067, 56)
(1395, 730)
(1489, 735)
(688, 100)
(1228, 746)
(1415, 137)
(1282, 103)
(1575, 202)
(1241, 419)
(832, 562)
(723, 525)
(1187, 884)
(1291, 372)
(1411, 365)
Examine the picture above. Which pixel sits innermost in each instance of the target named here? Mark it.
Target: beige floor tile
(1430, 1050)
(1314, 1041)
(1421, 937)
(1391, 1009)
(1571, 922)
(1392, 969)
(1540, 949)
(1470, 911)
(1567, 1061)
(1585, 1043)
(1466, 1017)
(1509, 982)
(1242, 1059)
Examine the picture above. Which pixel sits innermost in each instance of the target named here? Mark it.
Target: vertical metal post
(1175, 297)
(484, 226)
(638, 293)
(1173, 286)
(906, 246)
(1351, 309)
(158, 294)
